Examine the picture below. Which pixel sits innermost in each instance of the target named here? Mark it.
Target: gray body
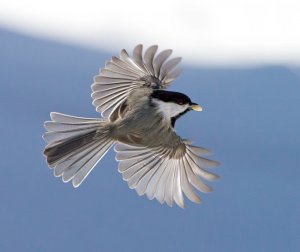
(139, 123)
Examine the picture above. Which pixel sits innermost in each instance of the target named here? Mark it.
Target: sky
(250, 120)
(203, 32)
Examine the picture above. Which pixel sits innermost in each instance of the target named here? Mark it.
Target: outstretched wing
(166, 172)
(121, 75)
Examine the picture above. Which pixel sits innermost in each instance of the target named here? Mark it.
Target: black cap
(169, 96)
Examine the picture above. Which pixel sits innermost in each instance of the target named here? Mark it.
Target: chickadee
(138, 119)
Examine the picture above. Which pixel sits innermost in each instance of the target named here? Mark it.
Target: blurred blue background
(251, 121)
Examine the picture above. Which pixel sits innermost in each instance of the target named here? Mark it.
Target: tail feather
(61, 150)
(75, 146)
(90, 163)
(63, 118)
(64, 126)
(73, 158)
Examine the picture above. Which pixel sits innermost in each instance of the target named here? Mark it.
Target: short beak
(195, 107)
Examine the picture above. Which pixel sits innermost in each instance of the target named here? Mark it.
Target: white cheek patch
(169, 109)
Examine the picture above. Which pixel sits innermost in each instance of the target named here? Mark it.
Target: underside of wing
(123, 74)
(166, 174)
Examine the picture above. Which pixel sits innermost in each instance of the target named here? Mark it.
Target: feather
(131, 73)
(148, 58)
(164, 172)
(118, 69)
(168, 67)
(200, 186)
(63, 118)
(90, 164)
(75, 146)
(111, 74)
(160, 59)
(186, 186)
(138, 56)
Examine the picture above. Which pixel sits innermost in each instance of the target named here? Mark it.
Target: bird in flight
(138, 119)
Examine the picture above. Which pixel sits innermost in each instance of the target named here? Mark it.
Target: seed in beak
(196, 107)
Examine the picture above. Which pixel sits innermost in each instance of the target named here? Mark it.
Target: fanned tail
(75, 145)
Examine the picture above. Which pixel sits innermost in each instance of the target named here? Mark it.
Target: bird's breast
(143, 127)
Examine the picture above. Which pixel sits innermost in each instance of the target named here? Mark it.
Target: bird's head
(172, 105)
